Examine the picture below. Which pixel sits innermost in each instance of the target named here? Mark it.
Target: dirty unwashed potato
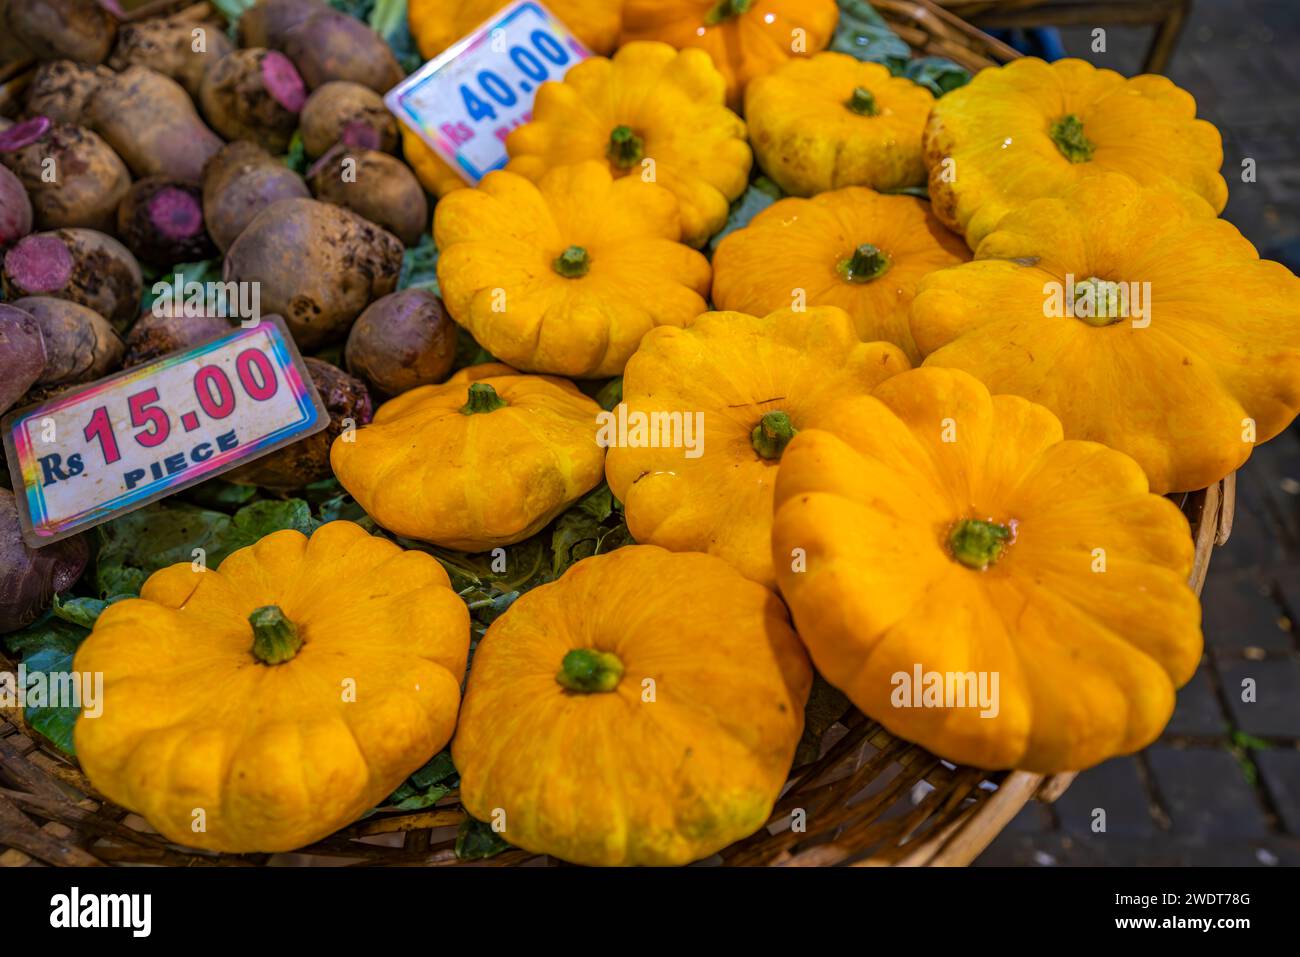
(22, 354)
(168, 45)
(80, 30)
(348, 113)
(374, 185)
(319, 265)
(254, 95)
(238, 183)
(401, 341)
(81, 265)
(30, 578)
(308, 460)
(72, 176)
(151, 121)
(161, 222)
(80, 345)
(62, 89)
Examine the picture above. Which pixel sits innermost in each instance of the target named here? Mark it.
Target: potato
(22, 354)
(79, 30)
(375, 185)
(168, 45)
(31, 577)
(155, 335)
(254, 95)
(80, 265)
(319, 266)
(330, 45)
(62, 90)
(348, 113)
(238, 183)
(80, 345)
(151, 121)
(74, 178)
(404, 340)
(161, 222)
(15, 209)
(308, 460)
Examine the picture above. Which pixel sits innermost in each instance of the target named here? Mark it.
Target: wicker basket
(870, 798)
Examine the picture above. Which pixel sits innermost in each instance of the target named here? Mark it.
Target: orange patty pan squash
(1133, 314)
(998, 595)
(862, 251)
(832, 120)
(650, 114)
(744, 38)
(437, 24)
(487, 458)
(743, 386)
(566, 276)
(1032, 129)
(643, 709)
(262, 705)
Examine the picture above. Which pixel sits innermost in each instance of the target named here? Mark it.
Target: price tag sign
(111, 446)
(465, 101)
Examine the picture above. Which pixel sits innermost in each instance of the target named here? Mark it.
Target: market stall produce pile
(966, 339)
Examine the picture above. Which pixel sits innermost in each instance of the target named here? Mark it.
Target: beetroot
(15, 209)
(375, 185)
(80, 265)
(88, 181)
(238, 183)
(348, 113)
(254, 95)
(80, 345)
(168, 46)
(404, 340)
(161, 222)
(330, 45)
(266, 22)
(79, 30)
(156, 334)
(22, 354)
(62, 90)
(31, 577)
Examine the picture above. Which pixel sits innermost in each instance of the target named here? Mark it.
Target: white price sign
(111, 446)
(465, 101)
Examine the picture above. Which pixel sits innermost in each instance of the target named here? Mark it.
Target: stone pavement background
(1222, 786)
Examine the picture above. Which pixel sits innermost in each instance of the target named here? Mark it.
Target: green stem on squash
(725, 10)
(573, 263)
(275, 637)
(862, 102)
(625, 149)
(587, 670)
(772, 434)
(1067, 134)
(976, 543)
(866, 263)
(1108, 307)
(482, 398)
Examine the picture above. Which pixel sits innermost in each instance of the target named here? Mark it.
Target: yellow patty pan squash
(650, 114)
(740, 386)
(434, 173)
(832, 120)
(1032, 129)
(567, 275)
(744, 38)
(487, 458)
(1138, 318)
(979, 586)
(643, 709)
(437, 24)
(265, 704)
(862, 251)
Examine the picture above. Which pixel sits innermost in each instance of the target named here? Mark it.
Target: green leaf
(232, 10)
(296, 157)
(864, 34)
(389, 20)
(262, 518)
(610, 394)
(82, 611)
(219, 495)
(53, 722)
(468, 351)
(759, 195)
(937, 74)
(208, 270)
(47, 632)
(426, 787)
(476, 841)
(420, 267)
(589, 527)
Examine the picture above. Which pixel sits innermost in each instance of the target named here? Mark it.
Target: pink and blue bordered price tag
(111, 446)
(465, 101)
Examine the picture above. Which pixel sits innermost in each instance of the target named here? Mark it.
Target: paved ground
(1223, 784)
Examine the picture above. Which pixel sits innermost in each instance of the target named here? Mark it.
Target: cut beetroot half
(176, 213)
(283, 81)
(24, 134)
(360, 136)
(39, 264)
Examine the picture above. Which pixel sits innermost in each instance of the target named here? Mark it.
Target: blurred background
(1222, 786)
